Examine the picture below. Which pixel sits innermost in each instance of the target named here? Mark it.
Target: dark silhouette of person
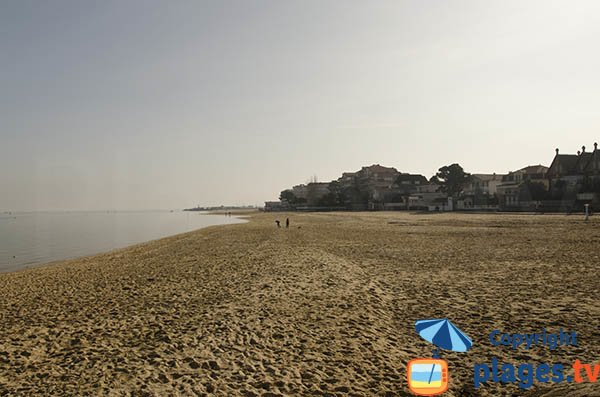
(277, 222)
(287, 223)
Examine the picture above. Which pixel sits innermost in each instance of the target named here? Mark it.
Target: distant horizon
(254, 205)
(143, 104)
(181, 208)
(9, 211)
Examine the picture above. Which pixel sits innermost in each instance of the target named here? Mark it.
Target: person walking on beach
(287, 223)
(277, 222)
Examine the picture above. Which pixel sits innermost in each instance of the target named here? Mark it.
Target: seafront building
(429, 197)
(311, 193)
(480, 192)
(517, 190)
(271, 206)
(574, 180)
(571, 181)
(575, 169)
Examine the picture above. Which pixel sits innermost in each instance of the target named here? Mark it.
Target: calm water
(28, 239)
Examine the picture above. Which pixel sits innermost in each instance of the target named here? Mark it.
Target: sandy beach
(326, 307)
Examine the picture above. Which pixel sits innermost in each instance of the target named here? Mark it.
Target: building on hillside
(316, 191)
(376, 187)
(517, 191)
(378, 173)
(311, 193)
(370, 187)
(347, 178)
(300, 191)
(377, 179)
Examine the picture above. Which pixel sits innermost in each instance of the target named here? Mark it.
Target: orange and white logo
(427, 376)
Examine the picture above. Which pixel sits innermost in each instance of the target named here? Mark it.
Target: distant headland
(223, 208)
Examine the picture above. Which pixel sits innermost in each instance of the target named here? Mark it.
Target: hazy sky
(167, 104)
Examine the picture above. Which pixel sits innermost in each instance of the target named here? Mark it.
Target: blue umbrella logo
(443, 334)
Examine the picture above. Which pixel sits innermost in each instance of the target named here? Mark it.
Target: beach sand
(326, 307)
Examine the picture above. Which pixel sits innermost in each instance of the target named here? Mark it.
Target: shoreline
(9, 267)
(324, 307)
(112, 251)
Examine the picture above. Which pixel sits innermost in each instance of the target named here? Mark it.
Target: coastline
(85, 258)
(327, 306)
(47, 238)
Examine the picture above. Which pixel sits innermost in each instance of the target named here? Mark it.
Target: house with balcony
(523, 189)
(480, 192)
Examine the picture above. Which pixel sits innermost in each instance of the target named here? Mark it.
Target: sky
(170, 104)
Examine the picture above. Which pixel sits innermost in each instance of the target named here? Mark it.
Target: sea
(29, 239)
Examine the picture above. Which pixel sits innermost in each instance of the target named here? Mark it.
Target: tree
(336, 196)
(356, 193)
(452, 179)
(289, 196)
(434, 180)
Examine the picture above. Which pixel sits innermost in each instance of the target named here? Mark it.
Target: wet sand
(326, 307)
